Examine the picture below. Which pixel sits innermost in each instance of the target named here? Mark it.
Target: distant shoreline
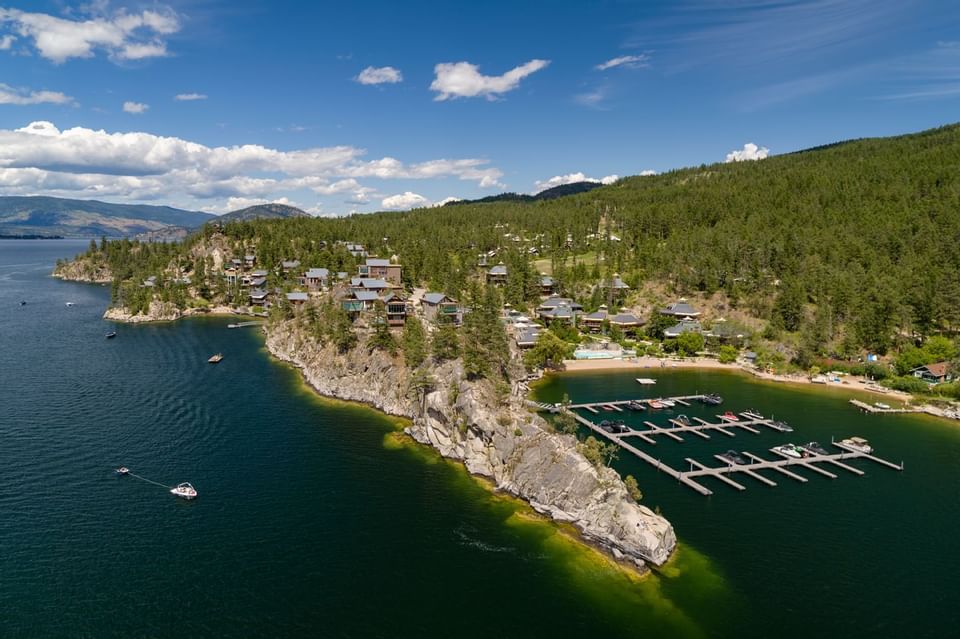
(31, 236)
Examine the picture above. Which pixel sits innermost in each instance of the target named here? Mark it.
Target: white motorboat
(858, 444)
(69, 304)
(646, 381)
(790, 450)
(184, 491)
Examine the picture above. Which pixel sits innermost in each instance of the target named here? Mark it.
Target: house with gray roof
(316, 278)
(289, 265)
(626, 321)
(497, 275)
(548, 285)
(683, 326)
(297, 298)
(439, 307)
(593, 322)
(527, 337)
(376, 267)
(680, 309)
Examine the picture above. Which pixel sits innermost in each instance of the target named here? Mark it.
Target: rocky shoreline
(497, 439)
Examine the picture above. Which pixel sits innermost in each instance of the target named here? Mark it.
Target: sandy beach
(850, 382)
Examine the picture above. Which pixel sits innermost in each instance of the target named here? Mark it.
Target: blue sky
(361, 106)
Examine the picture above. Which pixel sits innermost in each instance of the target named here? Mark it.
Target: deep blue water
(310, 523)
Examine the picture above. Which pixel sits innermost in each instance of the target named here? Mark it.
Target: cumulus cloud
(447, 200)
(464, 80)
(379, 75)
(647, 172)
(189, 97)
(121, 35)
(6, 42)
(626, 61)
(571, 178)
(20, 96)
(750, 151)
(40, 158)
(405, 200)
(135, 107)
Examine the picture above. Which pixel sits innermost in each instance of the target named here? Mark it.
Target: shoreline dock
(725, 426)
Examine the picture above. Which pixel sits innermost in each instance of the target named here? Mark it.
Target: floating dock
(871, 408)
(726, 426)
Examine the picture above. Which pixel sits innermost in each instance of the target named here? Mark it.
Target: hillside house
(548, 285)
(297, 298)
(379, 268)
(289, 265)
(627, 322)
(439, 307)
(316, 279)
(593, 322)
(497, 275)
(680, 309)
(686, 325)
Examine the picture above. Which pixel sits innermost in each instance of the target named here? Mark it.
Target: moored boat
(635, 405)
(184, 491)
(656, 403)
(683, 420)
(734, 457)
(781, 426)
(790, 450)
(669, 403)
(858, 444)
(882, 406)
(729, 416)
(711, 399)
(815, 447)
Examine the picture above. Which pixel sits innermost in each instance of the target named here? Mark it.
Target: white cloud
(379, 75)
(593, 98)
(121, 35)
(406, 200)
(11, 95)
(626, 61)
(464, 80)
(750, 151)
(447, 200)
(189, 97)
(647, 172)
(571, 178)
(80, 162)
(135, 107)
(6, 42)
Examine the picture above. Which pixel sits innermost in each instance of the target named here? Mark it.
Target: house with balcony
(441, 307)
(316, 279)
(593, 322)
(378, 268)
(680, 309)
(548, 285)
(497, 275)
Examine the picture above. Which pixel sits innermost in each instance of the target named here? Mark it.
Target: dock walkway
(722, 473)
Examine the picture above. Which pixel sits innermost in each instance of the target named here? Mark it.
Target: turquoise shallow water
(308, 525)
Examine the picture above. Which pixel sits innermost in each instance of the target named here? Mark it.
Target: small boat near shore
(882, 406)
(668, 403)
(656, 403)
(111, 335)
(646, 381)
(635, 405)
(729, 416)
(215, 359)
(184, 491)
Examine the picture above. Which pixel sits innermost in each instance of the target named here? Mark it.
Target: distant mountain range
(51, 216)
(548, 194)
(38, 216)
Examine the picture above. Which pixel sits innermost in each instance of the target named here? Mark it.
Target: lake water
(312, 521)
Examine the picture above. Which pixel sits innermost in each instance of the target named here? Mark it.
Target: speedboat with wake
(184, 491)
(123, 470)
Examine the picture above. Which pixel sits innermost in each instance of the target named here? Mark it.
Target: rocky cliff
(84, 269)
(495, 437)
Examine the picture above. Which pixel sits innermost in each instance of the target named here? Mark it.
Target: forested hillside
(853, 246)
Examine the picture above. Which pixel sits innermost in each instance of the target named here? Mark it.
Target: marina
(806, 457)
